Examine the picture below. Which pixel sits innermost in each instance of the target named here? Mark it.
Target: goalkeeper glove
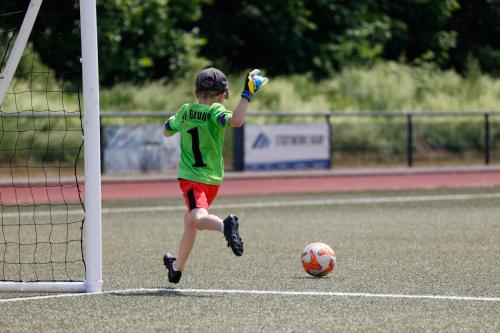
(253, 83)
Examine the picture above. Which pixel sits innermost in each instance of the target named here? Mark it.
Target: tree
(143, 40)
(138, 40)
(291, 36)
(477, 24)
(420, 30)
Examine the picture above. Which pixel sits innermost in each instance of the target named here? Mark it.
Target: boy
(201, 166)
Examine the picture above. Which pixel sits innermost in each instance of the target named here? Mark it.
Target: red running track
(258, 186)
(263, 186)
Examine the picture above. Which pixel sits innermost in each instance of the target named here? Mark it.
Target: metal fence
(407, 121)
(396, 138)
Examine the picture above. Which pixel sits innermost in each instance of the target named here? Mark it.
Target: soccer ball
(318, 259)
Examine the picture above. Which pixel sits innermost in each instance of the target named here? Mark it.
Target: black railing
(410, 116)
(410, 119)
(327, 116)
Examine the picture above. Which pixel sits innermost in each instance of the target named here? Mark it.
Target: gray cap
(211, 79)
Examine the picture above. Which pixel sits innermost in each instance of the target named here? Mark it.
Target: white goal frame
(90, 76)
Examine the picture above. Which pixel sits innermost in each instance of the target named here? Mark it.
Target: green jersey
(201, 128)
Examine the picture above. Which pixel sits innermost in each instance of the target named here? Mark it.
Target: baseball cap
(211, 79)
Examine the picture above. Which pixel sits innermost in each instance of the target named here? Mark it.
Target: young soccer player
(201, 167)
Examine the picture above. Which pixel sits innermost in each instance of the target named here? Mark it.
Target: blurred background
(399, 83)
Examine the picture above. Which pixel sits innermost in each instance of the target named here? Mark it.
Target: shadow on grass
(162, 292)
(310, 277)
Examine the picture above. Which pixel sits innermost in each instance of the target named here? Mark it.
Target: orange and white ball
(318, 259)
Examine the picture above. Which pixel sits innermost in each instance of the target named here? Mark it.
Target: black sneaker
(232, 235)
(173, 275)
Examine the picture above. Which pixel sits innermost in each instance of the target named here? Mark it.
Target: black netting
(41, 143)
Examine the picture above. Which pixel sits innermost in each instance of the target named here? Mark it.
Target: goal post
(45, 219)
(90, 78)
(19, 45)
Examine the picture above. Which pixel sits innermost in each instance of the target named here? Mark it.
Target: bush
(386, 86)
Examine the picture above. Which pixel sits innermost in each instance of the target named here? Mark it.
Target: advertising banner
(286, 146)
(141, 148)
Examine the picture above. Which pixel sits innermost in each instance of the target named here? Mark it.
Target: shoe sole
(236, 246)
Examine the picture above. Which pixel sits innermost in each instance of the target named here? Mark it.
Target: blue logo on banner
(262, 141)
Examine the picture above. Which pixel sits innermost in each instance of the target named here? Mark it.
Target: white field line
(270, 204)
(260, 292)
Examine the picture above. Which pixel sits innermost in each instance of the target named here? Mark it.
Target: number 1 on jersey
(195, 145)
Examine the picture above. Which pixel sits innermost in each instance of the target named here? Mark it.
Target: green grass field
(396, 248)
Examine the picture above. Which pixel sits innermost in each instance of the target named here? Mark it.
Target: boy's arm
(167, 131)
(172, 124)
(239, 113)
(253, 82)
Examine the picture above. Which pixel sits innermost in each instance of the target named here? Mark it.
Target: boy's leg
(205, 221)
(176, 265)
(199, 218)
(187, 241)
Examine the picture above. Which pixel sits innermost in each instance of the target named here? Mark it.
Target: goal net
(50, 233)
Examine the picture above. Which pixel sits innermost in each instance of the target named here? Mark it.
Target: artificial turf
(434, 247)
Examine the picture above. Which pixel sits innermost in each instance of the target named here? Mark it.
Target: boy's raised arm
(239, 113)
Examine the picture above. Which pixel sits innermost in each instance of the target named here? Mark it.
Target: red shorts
(198, 195)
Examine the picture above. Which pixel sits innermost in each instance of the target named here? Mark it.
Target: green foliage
(385, 86)
(391, 86)
(288, 37)
(420, 30)
(477, 24)
(384, 140)
(453, 135)
(29, 139)
(138, 40)
(154, 96)
(144, 40)
(378, 139)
